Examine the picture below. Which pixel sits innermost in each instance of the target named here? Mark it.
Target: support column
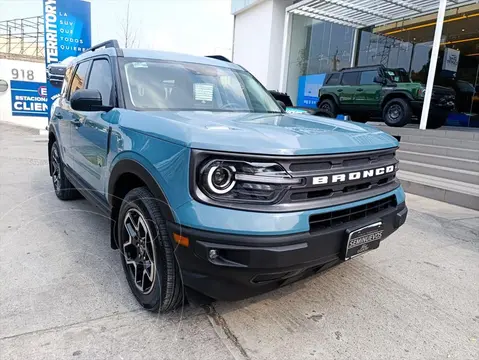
(283, 78)
(355, 47)
(433, 64)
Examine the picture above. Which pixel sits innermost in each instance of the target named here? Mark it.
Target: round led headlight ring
(221, 179)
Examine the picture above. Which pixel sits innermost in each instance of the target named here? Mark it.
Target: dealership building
(289, 45)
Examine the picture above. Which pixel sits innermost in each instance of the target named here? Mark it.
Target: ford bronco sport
(208, 184)
(375, 91)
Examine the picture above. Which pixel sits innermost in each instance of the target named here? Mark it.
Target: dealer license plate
(363, 240)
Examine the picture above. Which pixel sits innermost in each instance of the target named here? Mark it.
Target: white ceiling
(362, 13)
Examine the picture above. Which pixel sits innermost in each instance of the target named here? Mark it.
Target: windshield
(160, 85)
(398, 75)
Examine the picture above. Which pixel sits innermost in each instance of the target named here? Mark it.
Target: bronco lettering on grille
(357, 175)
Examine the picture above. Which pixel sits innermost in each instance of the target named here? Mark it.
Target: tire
(149, 250)
(397, 112)
(436, 122)
(323, 113)
(329, 106)
(64, 190)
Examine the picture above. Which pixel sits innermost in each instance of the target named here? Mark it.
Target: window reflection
(409, 47)
(317, 47)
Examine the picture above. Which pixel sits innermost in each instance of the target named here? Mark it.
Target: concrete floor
(63, 293)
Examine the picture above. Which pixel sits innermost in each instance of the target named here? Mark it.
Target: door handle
(359, 89)
(59, 116)
(340, 90)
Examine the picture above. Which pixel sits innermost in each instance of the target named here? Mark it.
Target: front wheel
(397, 112)
(147, 254)
(329, 106)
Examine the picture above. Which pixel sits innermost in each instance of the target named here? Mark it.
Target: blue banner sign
(29, 98)
(308, 89)
(67, 33)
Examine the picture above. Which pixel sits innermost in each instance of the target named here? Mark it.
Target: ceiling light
(463, 17)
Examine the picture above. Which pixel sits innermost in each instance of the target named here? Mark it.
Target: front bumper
(434, 110)
(248, 265)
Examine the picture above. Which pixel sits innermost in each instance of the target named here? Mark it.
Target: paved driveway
(63, 293)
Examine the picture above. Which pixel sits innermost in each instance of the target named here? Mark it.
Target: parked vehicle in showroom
(375, 91)
(285, 102)
(208, 183)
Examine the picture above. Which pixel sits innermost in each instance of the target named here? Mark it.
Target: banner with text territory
(67, 34)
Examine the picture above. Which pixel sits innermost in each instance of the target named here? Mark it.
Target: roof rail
(218, 57)
(108, 44)
(360, 67)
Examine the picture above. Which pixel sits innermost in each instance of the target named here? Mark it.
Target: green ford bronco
(375, 91)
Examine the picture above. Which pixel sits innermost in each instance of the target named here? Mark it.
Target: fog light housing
(213, 254)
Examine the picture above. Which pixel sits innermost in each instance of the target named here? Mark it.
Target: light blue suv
(210, 186)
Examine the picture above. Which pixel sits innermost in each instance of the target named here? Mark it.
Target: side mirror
(282, 104)
(379, 80)
(88, 100)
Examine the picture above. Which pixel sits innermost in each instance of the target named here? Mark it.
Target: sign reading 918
(22, 74)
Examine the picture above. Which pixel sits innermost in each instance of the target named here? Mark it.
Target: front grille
(443, 96)
(344, 161)
(336, 218)
(339, 163)
(326, 180)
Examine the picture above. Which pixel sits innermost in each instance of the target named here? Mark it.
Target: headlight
(220, 179)
(421, 92)
(242, 181)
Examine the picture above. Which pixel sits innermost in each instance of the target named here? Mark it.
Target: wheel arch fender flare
(131, 166)
(332, 96)
(396, 94)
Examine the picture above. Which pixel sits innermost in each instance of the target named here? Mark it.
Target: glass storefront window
(409, 47)
(317, 47)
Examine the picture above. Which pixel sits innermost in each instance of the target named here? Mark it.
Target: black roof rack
(108, 44)
(362, 67)
(219, 57)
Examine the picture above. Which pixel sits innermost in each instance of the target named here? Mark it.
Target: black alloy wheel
(139, 251)
(64, 190)
(147, 252)
(397, 112)
(325, 106)
(329, 106)
(55, 168)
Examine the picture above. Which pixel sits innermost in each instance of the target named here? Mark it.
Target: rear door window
(350, 78)
(367, 77)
